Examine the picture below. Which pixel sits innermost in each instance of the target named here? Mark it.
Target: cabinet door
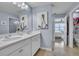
(35, 44)
(24, 50)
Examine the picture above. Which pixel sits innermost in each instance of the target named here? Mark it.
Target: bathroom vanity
(20, 45)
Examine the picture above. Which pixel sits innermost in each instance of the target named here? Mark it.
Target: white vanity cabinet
(8, 50)
(35, 43)
(24, 50)
(25, 47)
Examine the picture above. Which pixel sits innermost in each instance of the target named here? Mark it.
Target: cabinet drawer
(9, 49)
(23, 51)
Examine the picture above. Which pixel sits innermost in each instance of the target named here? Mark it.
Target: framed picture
(42, 21)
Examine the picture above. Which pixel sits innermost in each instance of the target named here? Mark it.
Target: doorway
(59, 32)
(67, 31)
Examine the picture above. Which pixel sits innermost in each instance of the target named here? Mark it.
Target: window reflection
(59, 25)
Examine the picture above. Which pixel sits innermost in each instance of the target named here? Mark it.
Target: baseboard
(48, 49)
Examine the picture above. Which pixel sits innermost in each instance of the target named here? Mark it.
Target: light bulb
(23, 4)
(26, 6)
(77, 11)
(19, 5)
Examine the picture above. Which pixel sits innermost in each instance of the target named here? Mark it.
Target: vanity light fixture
(19, 5)
(22, 5)
(77, 10)
(26, 6)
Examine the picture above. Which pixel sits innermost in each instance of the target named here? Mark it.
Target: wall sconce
(21, 5)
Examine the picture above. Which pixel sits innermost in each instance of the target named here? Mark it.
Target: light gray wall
(5, 17)
(65, 31)
(47, 34)
(71, 30)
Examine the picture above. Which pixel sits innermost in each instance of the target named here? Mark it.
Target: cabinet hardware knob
(20, 50)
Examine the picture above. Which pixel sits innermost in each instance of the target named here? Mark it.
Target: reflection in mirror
(10, 17)
(13, 24)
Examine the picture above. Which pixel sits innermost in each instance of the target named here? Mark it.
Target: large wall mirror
(13, 17)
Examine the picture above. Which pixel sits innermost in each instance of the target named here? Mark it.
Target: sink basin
(15, 37)
(11, 38)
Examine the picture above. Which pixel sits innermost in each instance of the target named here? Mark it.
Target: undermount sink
(14, 36)
(10, 38)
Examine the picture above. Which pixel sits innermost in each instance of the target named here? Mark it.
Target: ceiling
(58, 7)
(8, 7)
(36, 4)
